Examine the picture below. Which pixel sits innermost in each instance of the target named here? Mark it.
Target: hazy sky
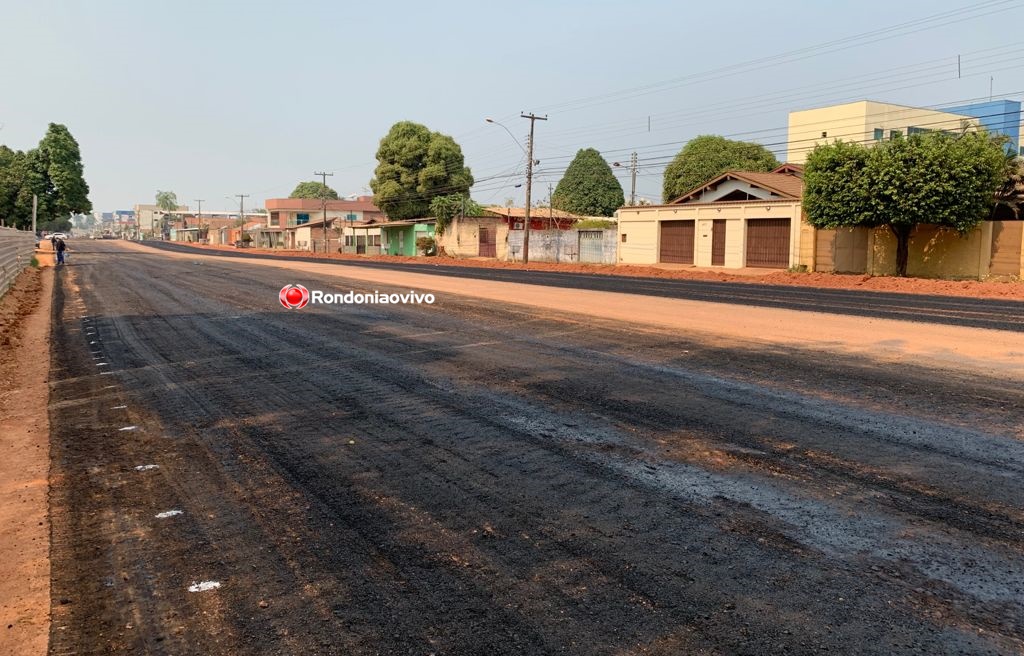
(210, 99)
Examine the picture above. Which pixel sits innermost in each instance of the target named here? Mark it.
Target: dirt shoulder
(24, 464)
(1011, 290)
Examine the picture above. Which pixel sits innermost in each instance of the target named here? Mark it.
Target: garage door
(677, 242)
(768, 243)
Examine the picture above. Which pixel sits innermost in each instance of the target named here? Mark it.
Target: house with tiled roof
(739, 219)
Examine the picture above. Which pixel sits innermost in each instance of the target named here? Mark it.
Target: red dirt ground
(1009, 290)
(24, 465)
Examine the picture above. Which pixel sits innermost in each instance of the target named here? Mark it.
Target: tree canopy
(589, 187)
(167, 201)
(313, 189)
(445, 208)
(414, 166)
(934, 178)
(53, 172)
(707, 157)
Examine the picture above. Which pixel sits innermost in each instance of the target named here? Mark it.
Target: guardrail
(16, 250)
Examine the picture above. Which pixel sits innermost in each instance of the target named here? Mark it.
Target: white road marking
(146, 467)
(203, 586)
(119, 407)
(102, 364)
(168, 513)
(109, 386)
(127, 428)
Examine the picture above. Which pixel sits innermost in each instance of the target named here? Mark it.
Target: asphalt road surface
(472, 478)
(948, 310)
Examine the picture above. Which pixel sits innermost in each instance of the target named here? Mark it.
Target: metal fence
(16, 250)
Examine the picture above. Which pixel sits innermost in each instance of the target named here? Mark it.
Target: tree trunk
(902, 233)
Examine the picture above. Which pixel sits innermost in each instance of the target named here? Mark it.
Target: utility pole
(35, 209)
(551, 206)
(241, 207)
(323, 194)
(529, 184)
(632, 187)
(199, 217)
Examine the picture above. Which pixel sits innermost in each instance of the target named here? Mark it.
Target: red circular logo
(294, 297)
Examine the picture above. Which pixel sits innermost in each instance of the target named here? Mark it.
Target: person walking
(60, 247)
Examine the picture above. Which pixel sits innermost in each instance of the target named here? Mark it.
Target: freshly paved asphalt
(949, 310)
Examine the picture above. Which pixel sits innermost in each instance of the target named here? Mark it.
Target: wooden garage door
(677, 242)
(768, 243)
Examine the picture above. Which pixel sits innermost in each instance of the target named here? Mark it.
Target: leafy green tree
(708, 156)
(415, 166)
(168, 202)
(61, 159)
(934, 178)
(588, 187)
(445, 208)
(313, 189)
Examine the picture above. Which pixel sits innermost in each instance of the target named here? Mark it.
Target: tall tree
(707, 157)
(934, 178)
(415, 166)
(61, 159)
(589, 187)
(313, 189)
(168, 202)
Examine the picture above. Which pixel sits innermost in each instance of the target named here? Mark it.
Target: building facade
(866, 122)
(740, 219)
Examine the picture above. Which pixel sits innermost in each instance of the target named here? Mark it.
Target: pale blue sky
(210, 99)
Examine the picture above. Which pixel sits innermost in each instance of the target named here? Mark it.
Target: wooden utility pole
(529, 184)
(199, 217)
(241, 207)
(323, 195)
(35, 210)
(632, 187)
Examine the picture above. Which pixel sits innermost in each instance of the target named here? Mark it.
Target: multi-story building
(867, 122)
(147, 218)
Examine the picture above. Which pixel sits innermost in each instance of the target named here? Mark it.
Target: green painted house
(399, 237)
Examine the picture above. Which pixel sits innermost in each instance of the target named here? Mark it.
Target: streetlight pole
(323, 197)
(632, 167)
(529, 185)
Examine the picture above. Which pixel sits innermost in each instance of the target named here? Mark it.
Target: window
(824, 135)
(374, 240)
(623, 238)
(912, 130)
(274, 220)
(1022, 151)
(301, 218)
(348, 240)
(895, 133)
(879, 134)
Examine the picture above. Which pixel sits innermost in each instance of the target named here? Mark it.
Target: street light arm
(491, 120)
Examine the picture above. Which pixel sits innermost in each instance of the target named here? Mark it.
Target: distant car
(58, 235)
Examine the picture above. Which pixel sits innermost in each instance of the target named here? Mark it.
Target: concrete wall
(559, 246)
(857, 122)
(639, 232)
(934, 252)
